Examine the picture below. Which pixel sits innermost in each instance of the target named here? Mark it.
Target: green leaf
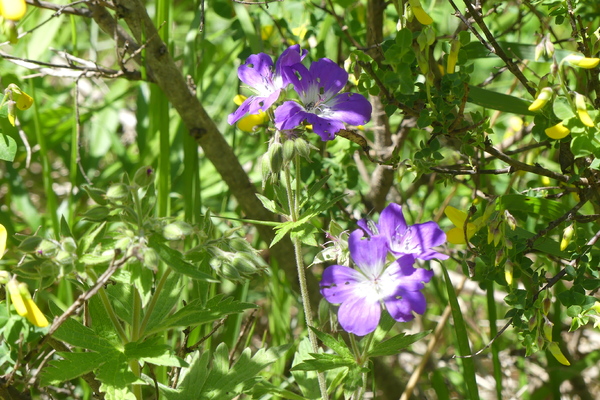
(337, 345)
(396, 344)
(195, 313)
(174, 260)
(562, 108)
(168, 297)
(225, 383)
(72, 366)
(8, 148)
(306, 380)
(270, 204)
(324, 362)
(498, 101)
(534, 206)
(464, 349)
(153, 351)
(191, 381)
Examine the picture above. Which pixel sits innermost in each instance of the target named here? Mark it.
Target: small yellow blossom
(3, 237)
(555, 351)
(420, 13)
(581, 61)
(582, 112)
(557, 131)
(542, 98)
(249, 122)
(13, 10)
(457, 235)
(24, 304)
(452, 56)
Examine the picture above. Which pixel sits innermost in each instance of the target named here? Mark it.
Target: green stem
(51, 204)
(293, 204)
(137, 314)
(113, 316)
(153, 301)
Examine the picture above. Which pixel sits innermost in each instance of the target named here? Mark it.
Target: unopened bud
(150, 258)
(289, 150)
(510, 220)
(4, 277)
(582, 112)
(581, 61)
(567, 236)
(118, 192)
(48, 248)
(453, 56)
(546, 304)
(64, 257)
(548, 330)
(508, 273)
(542, 99)
(275, 156)
(177, 230)
(144, 176)
(303, 148)
(243, 263)
(532, 323)
(68, 244)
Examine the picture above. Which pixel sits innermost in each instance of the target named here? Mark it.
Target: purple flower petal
(391, 220)
(329, 77)
(302, 80)
(360, 314)
(292, 55)
(257, 72)
(351, 108)
(405, 276)
(324, 127)
(252, 105)
(340, 283)
(289, 115)
(369, 255)
(401, 307)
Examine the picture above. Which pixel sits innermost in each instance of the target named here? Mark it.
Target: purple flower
(402, 239)
(361, 292)
(258, 73)
(322, 105)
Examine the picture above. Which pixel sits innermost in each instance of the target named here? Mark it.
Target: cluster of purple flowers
(362, 292)
(318, 87)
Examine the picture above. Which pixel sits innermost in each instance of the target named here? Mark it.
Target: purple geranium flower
(361, 292)
(403, 239)
(258, 73)
(322, 105)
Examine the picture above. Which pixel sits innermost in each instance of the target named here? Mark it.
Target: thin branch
(62, 9)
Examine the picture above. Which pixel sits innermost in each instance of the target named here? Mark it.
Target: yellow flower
(555, 351)
(557, 131)
(249, 122)
(420, 13)
(12, 9)
(3, 237)
(453, 56)
(582, 113)
(24, 304)
(581, 61)
(457, 235)
(540, 101)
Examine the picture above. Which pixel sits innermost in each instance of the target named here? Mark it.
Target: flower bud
(11, 111)
(581, 61)
(243, 264)
(548, 330)
(48, 248)
(567, 236)
(303, 148)
(118, 192)
(4, 277)
(557, 131)
(289, 149)
(546, 304)
(64, 257)
(144, 176)
(150, 258)
(275, 156)
(265, 167)
(508, 273)
(177, 230)
(68, 244)
(453, 56)
(582, 112)
(532, 323)
(555, 351)
(420, 13)
(3, 237)
(13, 10)
(542, 98)
(510, 220)
(228, 271)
